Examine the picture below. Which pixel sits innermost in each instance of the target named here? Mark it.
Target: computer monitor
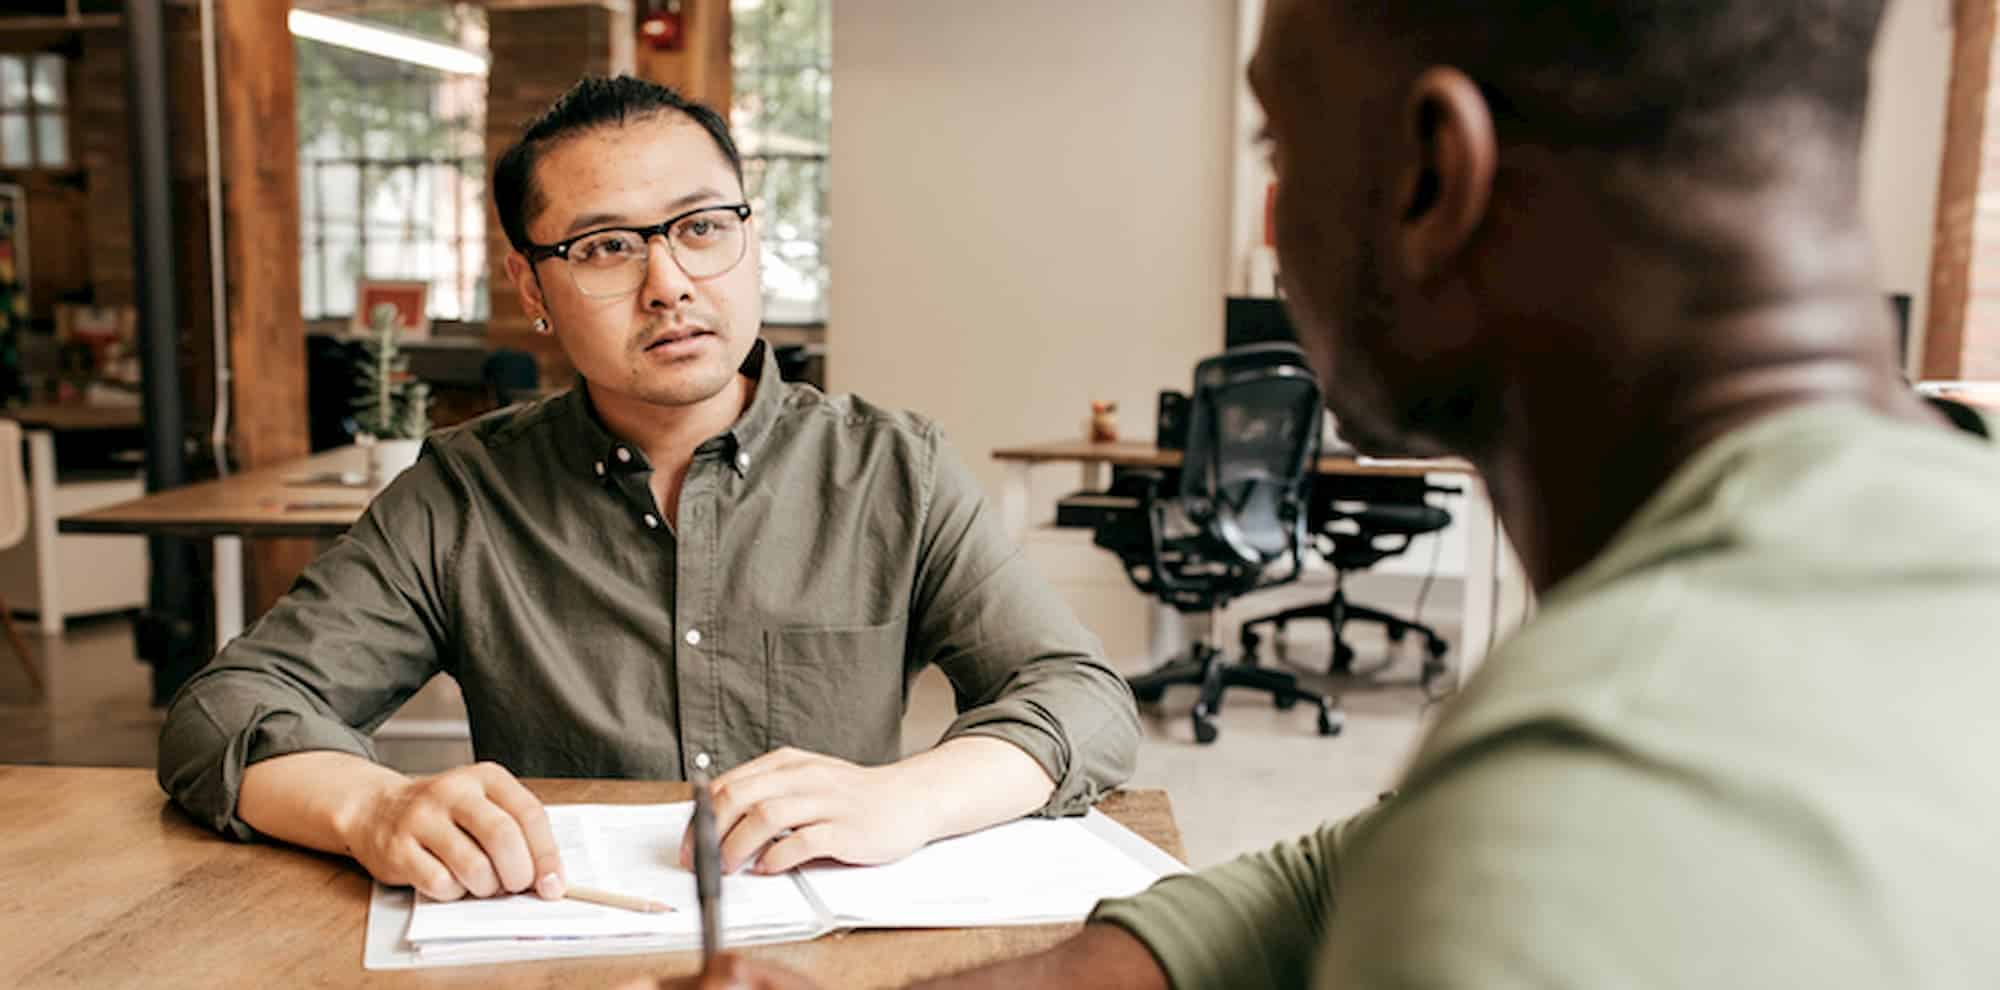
(1255, 321)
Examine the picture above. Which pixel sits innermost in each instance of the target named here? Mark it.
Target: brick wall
(537, 54)
(1962, 336)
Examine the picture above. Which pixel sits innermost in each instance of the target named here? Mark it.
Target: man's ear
(522, 273)
(1447, 179)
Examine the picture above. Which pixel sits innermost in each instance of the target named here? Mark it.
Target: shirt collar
(607, 454)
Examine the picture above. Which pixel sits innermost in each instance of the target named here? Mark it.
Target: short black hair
(1703, 82)
(595, 101)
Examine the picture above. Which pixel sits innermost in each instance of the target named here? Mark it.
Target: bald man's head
(1438, 162)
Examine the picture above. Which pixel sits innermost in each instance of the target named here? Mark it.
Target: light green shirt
(1755, 743)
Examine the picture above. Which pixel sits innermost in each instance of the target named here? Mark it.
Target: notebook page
(630, 849)
(1030, 871)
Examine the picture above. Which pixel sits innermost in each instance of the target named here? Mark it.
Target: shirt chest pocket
(838, 691)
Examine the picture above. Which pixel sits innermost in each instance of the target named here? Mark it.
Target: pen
(707, 870)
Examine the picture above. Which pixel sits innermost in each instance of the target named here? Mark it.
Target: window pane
(15, 152)
(48, 81)
(52, 140)
(13, 81)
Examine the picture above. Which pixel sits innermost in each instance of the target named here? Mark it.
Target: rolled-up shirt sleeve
(1022, 668)
(1257, 920)
(362, 629)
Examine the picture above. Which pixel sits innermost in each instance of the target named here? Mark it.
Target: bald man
(1612, 253)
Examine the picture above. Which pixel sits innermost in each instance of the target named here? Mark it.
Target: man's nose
(666, 284)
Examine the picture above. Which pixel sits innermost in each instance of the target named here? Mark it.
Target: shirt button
(652, 521)
(600, 469)
(701, 761)
(694, 637)
(624, 456)
(742, 461)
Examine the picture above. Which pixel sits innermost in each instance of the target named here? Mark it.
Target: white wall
(1903, 147)
(1030, 209)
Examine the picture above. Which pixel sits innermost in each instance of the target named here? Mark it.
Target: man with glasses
(682, 566)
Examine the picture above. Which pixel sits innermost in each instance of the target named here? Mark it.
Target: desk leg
(1482, 572)
(1014, 501)
(42, 516)
(228, 552)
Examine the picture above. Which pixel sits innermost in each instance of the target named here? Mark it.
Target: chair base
(1204, 667)
(1337, 612)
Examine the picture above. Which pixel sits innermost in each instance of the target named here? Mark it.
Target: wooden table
(104, 884)
(68, 417)
(1482, 553)
(269, 501)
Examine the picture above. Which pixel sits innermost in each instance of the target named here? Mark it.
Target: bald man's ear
(522, 273)
(1449, 179)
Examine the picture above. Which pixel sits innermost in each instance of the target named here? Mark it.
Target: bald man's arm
(1102, 955)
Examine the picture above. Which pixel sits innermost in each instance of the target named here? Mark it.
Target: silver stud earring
(541, 324)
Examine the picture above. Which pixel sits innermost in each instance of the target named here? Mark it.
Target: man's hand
(470, 830)
(729, 971)
(807, 806)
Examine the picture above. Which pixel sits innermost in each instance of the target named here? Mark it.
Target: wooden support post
(260, 169)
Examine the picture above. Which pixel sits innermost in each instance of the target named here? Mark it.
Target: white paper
(1027, 872)
(629, 849)
(1032, 871)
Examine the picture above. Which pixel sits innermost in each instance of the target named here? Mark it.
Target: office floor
(1269, 776)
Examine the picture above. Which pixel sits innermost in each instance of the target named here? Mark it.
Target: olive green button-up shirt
(825, 551)
(1751, 744)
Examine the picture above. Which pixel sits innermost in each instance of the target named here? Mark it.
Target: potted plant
(393, 410)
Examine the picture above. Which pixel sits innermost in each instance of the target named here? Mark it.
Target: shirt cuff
(207, 786)
(1074, 792)
(1176, 920)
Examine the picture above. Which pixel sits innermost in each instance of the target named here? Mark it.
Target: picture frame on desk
(409, 297)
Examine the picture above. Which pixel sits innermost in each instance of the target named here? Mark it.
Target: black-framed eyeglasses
(611, 261)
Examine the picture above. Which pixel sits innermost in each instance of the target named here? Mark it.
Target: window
(34, 101)
(391, 168)
(782, 52)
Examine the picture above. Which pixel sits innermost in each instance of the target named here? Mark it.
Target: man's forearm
(308, 799)
(974, 781)
(1100, 956)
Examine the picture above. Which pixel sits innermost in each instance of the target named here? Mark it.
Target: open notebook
(1033, 871)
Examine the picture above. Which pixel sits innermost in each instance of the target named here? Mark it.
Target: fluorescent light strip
(400, 46)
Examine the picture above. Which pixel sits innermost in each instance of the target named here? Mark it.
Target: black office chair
(510, 376)
(1357, 523)
(1253, 434)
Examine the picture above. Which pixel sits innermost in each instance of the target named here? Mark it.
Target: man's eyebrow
(589, 220)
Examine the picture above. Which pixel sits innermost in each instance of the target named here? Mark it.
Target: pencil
(610, 899)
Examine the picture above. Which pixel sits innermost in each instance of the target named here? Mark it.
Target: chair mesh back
(1253, 433)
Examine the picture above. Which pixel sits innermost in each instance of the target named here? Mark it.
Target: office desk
(1482, 550)
(262, 502)
(72, 576)
(107, 885)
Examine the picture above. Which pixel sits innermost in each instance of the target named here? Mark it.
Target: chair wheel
(1283, 701)
(1149, 695)
(1330, 723)
(1204, 730)
(1437, 647)
(1396, 633)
